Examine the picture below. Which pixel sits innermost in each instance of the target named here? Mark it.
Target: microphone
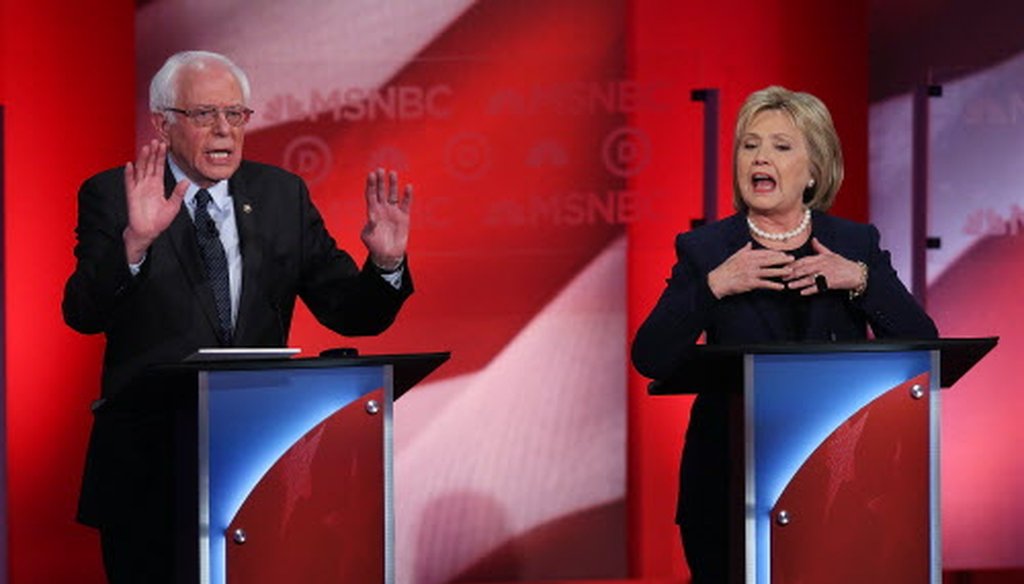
(340, 352)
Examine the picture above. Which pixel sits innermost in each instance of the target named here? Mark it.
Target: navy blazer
(687, 307)
(166, 312)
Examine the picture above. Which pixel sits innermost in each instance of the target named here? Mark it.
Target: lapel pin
(246, 208)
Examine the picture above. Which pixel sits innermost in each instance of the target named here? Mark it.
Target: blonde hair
(812, 118)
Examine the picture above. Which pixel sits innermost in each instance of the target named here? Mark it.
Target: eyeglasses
(207, 116)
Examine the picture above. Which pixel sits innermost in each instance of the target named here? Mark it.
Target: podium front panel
(793, 403)
(249, 419)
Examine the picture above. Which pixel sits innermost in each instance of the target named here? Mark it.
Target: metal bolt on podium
(783, 518)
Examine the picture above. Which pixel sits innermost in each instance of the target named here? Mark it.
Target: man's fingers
(380, 187)
(152, 155)
(178, 194)
(150, 163)
(372, 199)
(142, 163)
(406, 203)
(156, 161)
(393, 187)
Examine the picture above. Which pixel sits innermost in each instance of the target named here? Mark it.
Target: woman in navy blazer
(778, 270)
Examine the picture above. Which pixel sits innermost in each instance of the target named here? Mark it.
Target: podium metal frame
(805, 407)
(236, 423)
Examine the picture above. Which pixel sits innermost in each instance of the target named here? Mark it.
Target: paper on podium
(242, 354)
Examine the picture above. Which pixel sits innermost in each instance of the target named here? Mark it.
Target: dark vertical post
(919, 189)
(710, 99)
(3, 368)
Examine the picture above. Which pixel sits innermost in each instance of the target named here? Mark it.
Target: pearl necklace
(781, 236)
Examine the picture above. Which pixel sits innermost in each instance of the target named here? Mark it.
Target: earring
(809, 192)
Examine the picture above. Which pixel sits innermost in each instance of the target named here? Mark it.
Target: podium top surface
(409, 368)
(720, 367)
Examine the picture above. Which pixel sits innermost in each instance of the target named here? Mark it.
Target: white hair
(163, 89)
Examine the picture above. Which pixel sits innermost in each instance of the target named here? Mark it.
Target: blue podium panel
(247, 419)
(792, 403)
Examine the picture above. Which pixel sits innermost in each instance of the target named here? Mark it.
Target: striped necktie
(216, 264)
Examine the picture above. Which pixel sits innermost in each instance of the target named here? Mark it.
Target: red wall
(66, 81)
(68, 86)
(736, 47)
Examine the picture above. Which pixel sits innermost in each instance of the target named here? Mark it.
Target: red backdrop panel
(67, 92)
(68, 87)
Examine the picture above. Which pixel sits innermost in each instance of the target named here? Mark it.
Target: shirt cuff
(137, 267)
(394, 278)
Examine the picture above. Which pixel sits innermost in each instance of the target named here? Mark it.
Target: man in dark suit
(191, 246)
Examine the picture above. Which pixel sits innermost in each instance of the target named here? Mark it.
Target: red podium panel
(316, 516)
(861, 500)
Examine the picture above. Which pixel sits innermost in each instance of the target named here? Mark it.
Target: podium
(837, 447)
(281, 470)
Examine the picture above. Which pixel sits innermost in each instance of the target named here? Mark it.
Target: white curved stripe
(291, 48)
(537, 435)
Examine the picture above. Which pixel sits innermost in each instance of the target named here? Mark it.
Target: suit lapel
(247, 208)
(823, 230)
(182, 237)
(818, 312)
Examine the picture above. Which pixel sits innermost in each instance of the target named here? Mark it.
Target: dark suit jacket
(166, 312)
(687, 308)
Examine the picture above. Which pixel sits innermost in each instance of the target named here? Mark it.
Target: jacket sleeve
(101, 276)
(348, 300)
(887, 305)
(684, 311)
